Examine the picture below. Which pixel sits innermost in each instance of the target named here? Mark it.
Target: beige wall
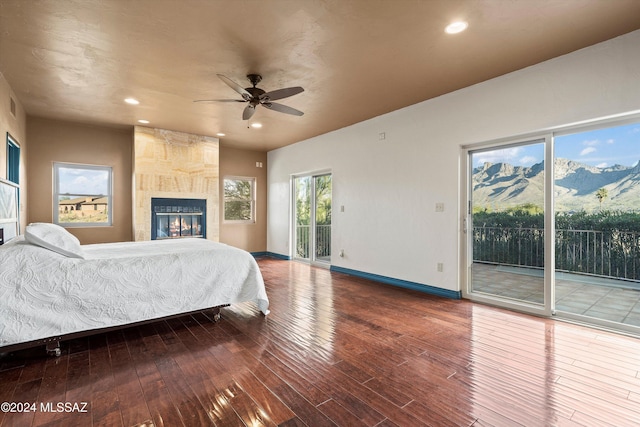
(56, 141)
(52, 140)
(237, 162)
(16, 126)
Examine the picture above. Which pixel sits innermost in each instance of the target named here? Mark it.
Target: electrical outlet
(439, 207)
(440, 267)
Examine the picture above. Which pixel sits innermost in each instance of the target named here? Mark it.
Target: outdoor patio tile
(562, 291)
(603, 301)
(614, 317)
(612, 306)
(574, 303)
(632, 320)
(572, 308)
(625, 293)
(593, 291)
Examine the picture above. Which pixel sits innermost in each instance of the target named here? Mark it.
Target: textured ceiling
(77, 60)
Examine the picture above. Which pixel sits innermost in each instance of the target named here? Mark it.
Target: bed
(52, 288)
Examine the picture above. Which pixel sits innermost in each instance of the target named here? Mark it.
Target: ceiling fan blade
(219, 100)
(281, 93)
(248, 112)
(282, 108)
(235, 86)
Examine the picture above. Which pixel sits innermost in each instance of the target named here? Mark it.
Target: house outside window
(82, 195)
(239, 199)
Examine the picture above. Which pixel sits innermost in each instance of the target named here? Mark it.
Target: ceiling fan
(256, 96)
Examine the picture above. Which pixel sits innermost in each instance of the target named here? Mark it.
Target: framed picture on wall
(9, 211)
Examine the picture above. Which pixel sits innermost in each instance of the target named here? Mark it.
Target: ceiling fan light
(256, 125)
(456, 27)
(132, 101)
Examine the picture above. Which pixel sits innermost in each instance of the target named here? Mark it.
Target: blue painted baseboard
(270, 254)
(433, 290)
(401, 283)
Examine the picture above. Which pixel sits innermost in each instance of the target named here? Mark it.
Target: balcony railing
(602, 253)
(323, 241)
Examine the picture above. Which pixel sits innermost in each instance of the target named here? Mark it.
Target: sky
(77, 181)
(602, 148)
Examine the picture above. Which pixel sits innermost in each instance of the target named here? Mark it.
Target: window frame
(13, 160)
(56, 194)
(253, 183)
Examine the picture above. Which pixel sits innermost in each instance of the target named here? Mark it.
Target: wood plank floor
(335, 350)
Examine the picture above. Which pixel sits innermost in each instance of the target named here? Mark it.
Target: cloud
(591, 142)
(610, 141)
(83, 181)
(528, 160)
(80, 180)
(587, 150)
(497, 156)
(602, 165)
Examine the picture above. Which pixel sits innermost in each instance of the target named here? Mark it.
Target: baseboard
(433, 290)
(270, 254)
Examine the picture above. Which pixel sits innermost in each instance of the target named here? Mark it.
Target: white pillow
(55, 238)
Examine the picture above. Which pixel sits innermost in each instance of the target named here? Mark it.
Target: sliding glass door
(312, 218)
(597, 214)
(505, 226)
(552, 225)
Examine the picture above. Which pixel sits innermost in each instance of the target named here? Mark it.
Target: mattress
(45, 294)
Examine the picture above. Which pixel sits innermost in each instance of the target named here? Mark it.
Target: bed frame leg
(53, 348)
(216, 314)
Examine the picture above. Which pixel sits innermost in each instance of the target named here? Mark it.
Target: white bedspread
(45, 294)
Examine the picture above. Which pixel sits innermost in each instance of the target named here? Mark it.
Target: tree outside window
(239, 199)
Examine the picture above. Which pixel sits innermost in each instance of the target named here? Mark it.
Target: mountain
(498, 186)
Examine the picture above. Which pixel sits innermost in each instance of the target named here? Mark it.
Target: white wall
(389, 188)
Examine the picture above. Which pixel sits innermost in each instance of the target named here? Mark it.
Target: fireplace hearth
(178, 218)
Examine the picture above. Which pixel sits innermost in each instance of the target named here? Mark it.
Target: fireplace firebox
(178, 218)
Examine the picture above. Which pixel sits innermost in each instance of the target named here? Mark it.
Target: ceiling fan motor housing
(254, 79)
(254, 91)
(255, 94)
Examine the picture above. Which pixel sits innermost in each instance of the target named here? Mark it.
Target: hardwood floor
(335, 350)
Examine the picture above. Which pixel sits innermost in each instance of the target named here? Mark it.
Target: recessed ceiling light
(256, 125)
(143, 121)
(220, 134)
(456, 27)
(132, 101)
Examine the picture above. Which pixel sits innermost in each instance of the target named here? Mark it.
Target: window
(82, 195)
(13, 160)
(239, 199)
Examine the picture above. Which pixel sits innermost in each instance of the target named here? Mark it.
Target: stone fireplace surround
(169, 164)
